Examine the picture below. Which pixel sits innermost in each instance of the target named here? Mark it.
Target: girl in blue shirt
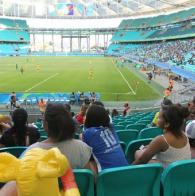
(102, 138)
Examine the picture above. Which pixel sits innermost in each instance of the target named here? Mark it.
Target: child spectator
(103, 140)
(173, 145)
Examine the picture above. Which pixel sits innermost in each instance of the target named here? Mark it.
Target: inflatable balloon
(36, 174)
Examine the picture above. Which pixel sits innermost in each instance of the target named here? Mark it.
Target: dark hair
(174, 115)
(97, 116)
(60, 123)
(115, 112)
(166, 102)
(98, 103)
(68, 107)
(19, 118)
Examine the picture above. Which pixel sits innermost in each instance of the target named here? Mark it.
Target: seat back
(133, 146)
(130, 180)
(137, 126)
(119, 127)
(16, 150)
(85, 181)
(150, 132)
(178, 178)
(127, 136)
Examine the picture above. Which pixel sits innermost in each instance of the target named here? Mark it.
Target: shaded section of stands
(33, 98)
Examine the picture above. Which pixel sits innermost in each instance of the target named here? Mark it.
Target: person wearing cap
(190, 132)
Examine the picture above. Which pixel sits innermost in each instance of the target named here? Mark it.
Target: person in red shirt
(126, 110)
(80, 117)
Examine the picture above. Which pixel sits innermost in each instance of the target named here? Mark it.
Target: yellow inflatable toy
(36, 174)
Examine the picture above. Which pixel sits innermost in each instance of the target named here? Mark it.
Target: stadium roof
(90, 8)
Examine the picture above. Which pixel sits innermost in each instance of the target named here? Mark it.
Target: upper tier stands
(14, 36)
(13, 24)
(154, 34)
(158, 20)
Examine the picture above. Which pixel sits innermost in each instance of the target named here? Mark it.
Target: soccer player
(90, 74)
(16, 66)
(22, 70)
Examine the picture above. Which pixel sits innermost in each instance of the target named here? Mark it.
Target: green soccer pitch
(73, 74)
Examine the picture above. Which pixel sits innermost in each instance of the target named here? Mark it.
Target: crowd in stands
(174, 51)
(98, 146)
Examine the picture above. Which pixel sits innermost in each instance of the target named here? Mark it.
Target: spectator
(80, 117)
(76, 124)
(126, 110)
(173, 145)
(93, 97)
(72, 98)
(60, 127)
(103, 140)
(5, 123)
(114, 113)
(42, 106)
(81, 98)
(20, 134)
(13, 100)
(165, 102)
(190, 131)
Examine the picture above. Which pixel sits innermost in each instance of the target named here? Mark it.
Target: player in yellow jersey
(90, 74)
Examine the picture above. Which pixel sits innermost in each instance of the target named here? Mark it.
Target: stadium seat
(85, 181)
(137, 126)
(43, 133)
(123, 146)
(130, 180)
(16, 150)
(127, 136)
(42, 138)
(150, 132)
(178, 178)
(133, 146)
(146, 122)
(119, 127)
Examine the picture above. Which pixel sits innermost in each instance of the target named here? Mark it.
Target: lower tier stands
(13, 49)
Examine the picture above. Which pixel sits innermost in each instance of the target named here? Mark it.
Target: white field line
(125, 80)
(43, 81)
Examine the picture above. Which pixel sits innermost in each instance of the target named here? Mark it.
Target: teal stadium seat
(119, 127)
(130, 180)
(137, 126)
(127, 136)
(85, 181)
(178, 179)
(133, 146)
(150, 132)
(16, 150)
